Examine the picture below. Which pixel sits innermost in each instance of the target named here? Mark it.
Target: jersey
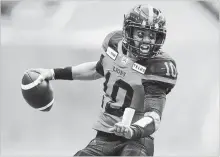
(125, 79)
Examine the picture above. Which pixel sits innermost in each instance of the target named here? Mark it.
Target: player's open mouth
(145, 48)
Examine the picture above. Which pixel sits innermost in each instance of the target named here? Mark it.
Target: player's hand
(121, 129)
(45, 74)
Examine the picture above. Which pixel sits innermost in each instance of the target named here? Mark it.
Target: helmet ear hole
(159, 40)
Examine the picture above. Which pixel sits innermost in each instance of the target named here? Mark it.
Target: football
(39, 96)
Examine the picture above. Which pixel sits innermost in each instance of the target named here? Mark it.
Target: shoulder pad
(111, 40)
(162, 55)
(162, 70)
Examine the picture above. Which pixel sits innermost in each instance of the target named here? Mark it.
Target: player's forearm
(146, 125)
(154, 102)
(85, 71)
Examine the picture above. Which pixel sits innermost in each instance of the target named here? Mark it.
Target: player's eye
(152, 36)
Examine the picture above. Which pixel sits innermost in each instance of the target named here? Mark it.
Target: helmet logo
(150, 15)
(137, 10)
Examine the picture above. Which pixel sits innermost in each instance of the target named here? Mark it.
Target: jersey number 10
(171, 69)
(127, 100)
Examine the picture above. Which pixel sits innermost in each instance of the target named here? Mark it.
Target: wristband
(137, 131)
(63, 73)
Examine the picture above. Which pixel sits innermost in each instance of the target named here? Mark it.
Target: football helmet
(144, 17)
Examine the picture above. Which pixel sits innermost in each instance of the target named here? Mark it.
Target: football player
(138, 76)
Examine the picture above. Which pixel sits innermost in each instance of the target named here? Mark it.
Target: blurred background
(52, 33)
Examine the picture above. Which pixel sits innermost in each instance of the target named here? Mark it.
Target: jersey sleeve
(159, 79)
(107, 41)
(111, 41)
(99, 66)
(163, 73)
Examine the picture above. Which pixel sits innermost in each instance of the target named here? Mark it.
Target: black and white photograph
(109, 78)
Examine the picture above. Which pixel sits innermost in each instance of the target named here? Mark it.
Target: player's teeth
(145, 46)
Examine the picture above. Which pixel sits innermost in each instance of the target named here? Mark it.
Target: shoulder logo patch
(112, 53)
(139, 68)
(124, 60)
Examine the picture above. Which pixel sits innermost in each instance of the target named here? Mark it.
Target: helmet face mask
(146, 19)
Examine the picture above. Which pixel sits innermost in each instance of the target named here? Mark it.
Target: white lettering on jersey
(139, 68)
(112, 53)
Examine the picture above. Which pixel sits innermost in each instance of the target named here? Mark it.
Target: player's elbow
(156, 119)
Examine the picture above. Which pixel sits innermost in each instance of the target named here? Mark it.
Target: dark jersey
(126, 79)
